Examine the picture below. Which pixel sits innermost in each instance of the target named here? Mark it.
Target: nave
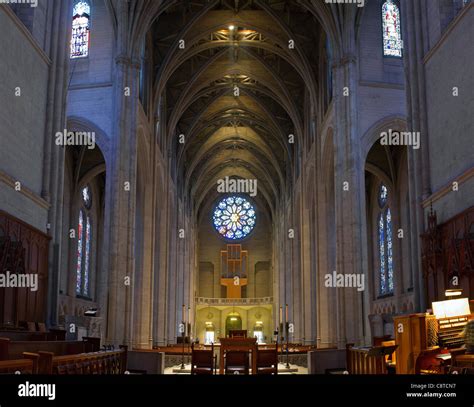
(225, 187)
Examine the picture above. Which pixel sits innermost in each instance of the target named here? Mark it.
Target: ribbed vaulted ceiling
(204, 53)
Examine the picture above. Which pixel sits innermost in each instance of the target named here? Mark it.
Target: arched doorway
(233, 322)
(210, 334)
(258, 332)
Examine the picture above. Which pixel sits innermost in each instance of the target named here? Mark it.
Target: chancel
(236, 187)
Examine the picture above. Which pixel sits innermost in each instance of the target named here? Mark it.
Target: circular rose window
(234, 217)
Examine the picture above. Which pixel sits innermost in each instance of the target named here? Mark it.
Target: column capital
(344, 60)
(128, 61)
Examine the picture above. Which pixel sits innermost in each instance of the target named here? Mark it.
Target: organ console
(449, 330)
(451, 317)
(428, 335)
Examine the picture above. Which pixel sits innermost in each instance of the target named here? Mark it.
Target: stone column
(120, 204)
(275, 274)
(172, 304)
(415, 40)
(143, 281)
(58, 35)
(160, 274)
(326, 298)
(349, 190)
(308, 266)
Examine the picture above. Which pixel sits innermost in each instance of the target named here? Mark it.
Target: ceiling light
(231, 27)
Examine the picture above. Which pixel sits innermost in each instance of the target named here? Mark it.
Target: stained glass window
(234, 217)
(392, 38)
(80, 30)
(85, 289)
(79, 253)
(86, 197)
(84, 238)
(388, 218)
(385, 242)
(383, 280)
(383, 195)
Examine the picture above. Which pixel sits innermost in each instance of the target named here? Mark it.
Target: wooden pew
(28, 365)
(102, 362)
(23, 335)
(10, 350)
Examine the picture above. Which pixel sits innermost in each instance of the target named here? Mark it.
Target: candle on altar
(286, 313)
(184, 314)
(281, 314)
(189, 315)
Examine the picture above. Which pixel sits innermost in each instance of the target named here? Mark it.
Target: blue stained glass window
(84, 244)
(388, 218)
(383, 195)
(85, 290)
(383, 280)
(234, 217)
(385, 242)
(79, 253)
(80, 30)
(392, 39)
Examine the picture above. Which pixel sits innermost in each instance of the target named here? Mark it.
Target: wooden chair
(236, 362)
(202, 361)
(267, 361)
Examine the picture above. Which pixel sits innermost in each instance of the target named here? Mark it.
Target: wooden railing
(365, 360)
(234, 301)
(103, 362)
(28, 365)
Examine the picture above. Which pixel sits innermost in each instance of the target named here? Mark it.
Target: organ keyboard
(449, 331)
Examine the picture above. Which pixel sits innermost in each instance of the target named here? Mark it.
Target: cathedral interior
(237, 186)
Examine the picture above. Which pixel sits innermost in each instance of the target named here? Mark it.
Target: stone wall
(258, 244)
(450, 119)
(22, 121)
